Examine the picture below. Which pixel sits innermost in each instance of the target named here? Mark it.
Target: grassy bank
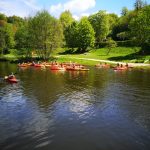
(123, 54)
(119, 54)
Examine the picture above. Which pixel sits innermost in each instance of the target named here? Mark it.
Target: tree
(6, 37)
(3, 17)
(22, 38)
(100, 23)
(66, 19)
(71, 35)
(139, 4)
(140, 28)
(2, 39)
(121, 29)
(124, 11)
(86, 35)
(113, 19)
(46, 33)
(110, 44)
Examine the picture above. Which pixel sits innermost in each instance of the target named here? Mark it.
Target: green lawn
(124, 54)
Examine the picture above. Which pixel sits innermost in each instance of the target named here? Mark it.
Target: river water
(96, 110)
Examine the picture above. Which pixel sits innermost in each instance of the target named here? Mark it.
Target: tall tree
(23, 40)
(6, 37)
(46, 33)
(140, 28)
(124, 11)
(113, 19)
(100, 23)
(86, 35)
(71, 35)
(121, 29)
(139, 4)
(66, 18)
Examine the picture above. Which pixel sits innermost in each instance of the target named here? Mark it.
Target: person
(127, 65)
(118, 65)
(11, 76)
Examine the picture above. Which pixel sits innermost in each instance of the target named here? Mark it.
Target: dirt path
(114, 62)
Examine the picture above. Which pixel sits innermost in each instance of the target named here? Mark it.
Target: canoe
(22, 65)
(120, 68)
(55, 67)
(11, 80)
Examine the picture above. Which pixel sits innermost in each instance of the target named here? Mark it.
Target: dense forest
(44, 33)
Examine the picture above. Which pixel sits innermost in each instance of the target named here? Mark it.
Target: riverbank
(92, 62)
(120, 55)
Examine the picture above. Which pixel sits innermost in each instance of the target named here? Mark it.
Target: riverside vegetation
(102, 35)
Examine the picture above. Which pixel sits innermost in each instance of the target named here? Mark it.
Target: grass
(123, 54)
(83, 62)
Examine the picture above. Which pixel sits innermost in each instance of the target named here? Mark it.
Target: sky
(78, 8)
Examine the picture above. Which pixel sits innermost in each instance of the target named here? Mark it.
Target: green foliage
(71, 35)
(110, 44)
(122, 26)
(100, 23)
(9, 36)
(139, 4)
(122, 35)
(21, 37)
(124, 11)
(85, 35)
(140, 28)
(127, 43)
(113, 19)
(46, 33)
(6, 37)
(15, 20)
(80, 35)
(3, 17)
(66, 18)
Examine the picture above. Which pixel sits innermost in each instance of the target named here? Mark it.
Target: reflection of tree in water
(47, 86)
(43, 85)
(6, 68)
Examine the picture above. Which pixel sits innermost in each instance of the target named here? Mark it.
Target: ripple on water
(101, 109)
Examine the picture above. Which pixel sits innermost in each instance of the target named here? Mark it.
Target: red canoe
(11, 79)
(55, 67)
(120, 68)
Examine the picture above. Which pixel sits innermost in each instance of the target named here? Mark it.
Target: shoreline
(108, 61)
(58, 58)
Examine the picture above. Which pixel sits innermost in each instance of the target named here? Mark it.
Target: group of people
(105, 65)
(121, 65)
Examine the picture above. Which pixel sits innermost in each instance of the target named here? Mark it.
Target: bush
(136, 61)
(128, 43)
(146, 61)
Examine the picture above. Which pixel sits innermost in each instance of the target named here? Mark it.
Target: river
(96, 110)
